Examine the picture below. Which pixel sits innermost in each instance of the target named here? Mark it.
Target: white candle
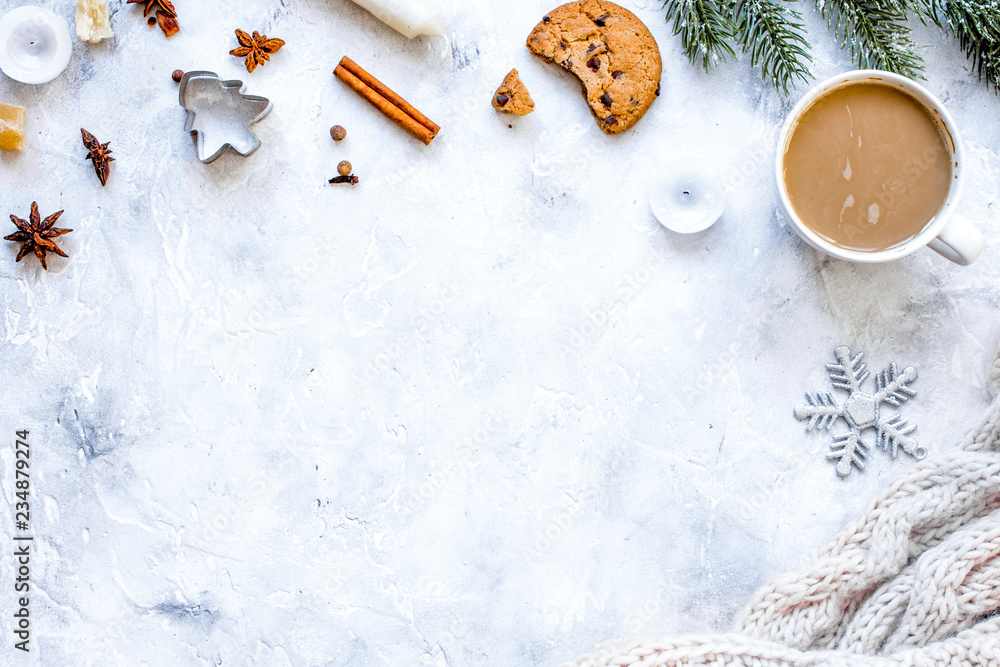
(686, 195)
(35, 46)
(409, 17)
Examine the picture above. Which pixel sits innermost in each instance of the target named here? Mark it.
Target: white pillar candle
(409, 17)
(35, 46)
(686, 195)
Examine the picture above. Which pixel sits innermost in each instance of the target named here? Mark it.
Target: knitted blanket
(914, 580)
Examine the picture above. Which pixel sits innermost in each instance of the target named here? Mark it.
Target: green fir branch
(774, 36)
(875, 32)
(705, 29)
(977, 26)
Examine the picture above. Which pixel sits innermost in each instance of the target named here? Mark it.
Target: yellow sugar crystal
(92, 21)
(11, 127)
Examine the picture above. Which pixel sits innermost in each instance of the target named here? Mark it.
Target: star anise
(256, 49)
(100, 154)
(166, 15)
(164, 6)
(36, 234)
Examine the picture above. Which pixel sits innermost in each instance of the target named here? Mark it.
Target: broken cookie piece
(512, 96)
(610, 50)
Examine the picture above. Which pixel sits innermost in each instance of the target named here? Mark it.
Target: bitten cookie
(512, 96)
(612, 53)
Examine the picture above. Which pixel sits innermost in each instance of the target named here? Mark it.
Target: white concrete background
(480, 409)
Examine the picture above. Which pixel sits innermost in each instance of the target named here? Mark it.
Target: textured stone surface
(278, 422)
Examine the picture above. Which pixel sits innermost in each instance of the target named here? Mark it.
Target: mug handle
(959, 241)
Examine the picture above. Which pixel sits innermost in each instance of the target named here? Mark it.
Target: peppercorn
(177, 75)
(344, 168)
(338, 132)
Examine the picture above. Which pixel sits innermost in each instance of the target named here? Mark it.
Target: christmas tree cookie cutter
(219, 114)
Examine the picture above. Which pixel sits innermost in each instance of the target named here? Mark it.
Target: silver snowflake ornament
(861, 411)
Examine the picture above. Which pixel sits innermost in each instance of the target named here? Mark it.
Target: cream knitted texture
(914, 580)
(975, 647)
(993, 377)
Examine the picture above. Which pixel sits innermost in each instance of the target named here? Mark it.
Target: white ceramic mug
(948, 234)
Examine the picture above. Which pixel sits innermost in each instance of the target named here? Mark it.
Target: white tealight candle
(35, 45)
(409, 17)
(686, 195)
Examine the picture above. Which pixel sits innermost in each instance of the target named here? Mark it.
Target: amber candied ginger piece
(11, 127)
(92, 21)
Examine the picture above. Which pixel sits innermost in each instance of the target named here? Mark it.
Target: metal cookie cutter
(220, 115)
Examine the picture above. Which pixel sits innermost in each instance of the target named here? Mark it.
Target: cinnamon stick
(385, 100)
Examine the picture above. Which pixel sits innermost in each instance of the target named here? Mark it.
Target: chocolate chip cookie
(612, 53)
(512, 96)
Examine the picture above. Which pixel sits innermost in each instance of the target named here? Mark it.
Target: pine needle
(774, 37)
(977, 26)
(874, 31)
(705, 29)
(876, 34)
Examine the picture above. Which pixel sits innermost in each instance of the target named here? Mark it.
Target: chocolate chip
(594, 63)
(657, 93)
(545, 19)
(591, 49)
(606, 100)
(615, 75)
(611, 120)
(502, 99)
(567, 64)
(562, 44)
(600, 20)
